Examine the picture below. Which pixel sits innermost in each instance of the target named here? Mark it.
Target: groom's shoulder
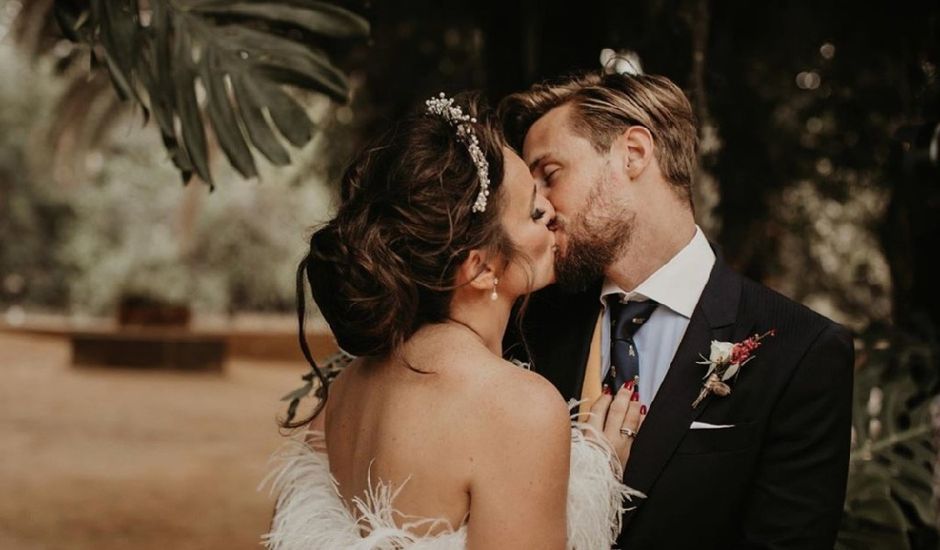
(758, 299)
(770, 308)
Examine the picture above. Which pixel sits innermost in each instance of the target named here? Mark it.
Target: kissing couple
(549, 352)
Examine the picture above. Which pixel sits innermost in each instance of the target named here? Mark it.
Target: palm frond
(890, 499)
(198, 63)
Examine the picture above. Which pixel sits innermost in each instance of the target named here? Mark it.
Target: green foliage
(236, 54)
(111, 223)
(890, 501)
(132, 234)
(32, 216)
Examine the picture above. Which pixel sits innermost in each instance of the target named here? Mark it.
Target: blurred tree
(912, 226)
(32, 216)
(803, 98)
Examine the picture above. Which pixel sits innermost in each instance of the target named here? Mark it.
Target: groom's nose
(552, 216)
(548, 207)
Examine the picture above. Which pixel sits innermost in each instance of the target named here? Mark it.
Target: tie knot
(627, 318)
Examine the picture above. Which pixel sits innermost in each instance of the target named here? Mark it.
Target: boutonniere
(724, 363)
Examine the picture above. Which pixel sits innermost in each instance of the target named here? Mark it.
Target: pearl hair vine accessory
(444, 107)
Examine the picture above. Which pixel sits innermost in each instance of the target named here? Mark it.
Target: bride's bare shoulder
(479, 389)
(509, 417)
(503, 394)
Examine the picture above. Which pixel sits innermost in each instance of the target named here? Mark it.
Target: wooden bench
(171, 348)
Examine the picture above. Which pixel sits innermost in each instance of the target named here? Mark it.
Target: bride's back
(388, 423)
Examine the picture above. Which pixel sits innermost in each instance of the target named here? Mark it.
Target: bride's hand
(617, 418)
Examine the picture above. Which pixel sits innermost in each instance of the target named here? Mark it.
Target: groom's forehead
(543, 134)
(551, 136)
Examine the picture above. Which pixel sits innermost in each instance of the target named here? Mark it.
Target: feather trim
(596, 495)
(310, 514)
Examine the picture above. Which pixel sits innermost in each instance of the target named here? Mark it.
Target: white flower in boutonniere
(725, 361)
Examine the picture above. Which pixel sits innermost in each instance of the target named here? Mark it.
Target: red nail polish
(643, 409)
(606, 390)
(635, 396)
(628, 385)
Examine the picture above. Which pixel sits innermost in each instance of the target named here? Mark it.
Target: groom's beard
(596, 237)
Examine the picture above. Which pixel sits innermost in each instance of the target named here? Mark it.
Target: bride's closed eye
(536, 213)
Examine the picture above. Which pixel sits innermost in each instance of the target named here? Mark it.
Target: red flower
(742, 351)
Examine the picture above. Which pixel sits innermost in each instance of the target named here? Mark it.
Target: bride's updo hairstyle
(386, 264)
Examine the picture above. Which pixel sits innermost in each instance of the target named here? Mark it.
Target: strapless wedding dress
(310, 514)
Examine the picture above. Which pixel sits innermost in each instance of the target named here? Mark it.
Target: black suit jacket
(777, 478)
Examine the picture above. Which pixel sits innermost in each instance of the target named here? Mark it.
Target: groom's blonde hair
(604, 106)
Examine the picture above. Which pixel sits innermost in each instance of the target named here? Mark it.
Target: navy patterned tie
(625, 321)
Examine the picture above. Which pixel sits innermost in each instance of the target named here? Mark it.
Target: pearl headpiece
(444, 107)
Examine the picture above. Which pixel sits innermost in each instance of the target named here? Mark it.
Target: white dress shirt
(676, 287)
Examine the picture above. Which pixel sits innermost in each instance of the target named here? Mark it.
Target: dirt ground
(117, 458)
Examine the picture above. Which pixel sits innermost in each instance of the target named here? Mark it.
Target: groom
(761, 460)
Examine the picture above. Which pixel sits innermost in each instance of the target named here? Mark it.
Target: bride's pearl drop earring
(493, 295)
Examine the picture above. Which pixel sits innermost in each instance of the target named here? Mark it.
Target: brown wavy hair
(386, 264)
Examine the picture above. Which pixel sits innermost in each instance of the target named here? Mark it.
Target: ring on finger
(628, 432)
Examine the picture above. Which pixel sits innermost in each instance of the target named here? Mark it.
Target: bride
(430, 439)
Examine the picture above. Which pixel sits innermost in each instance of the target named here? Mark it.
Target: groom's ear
(477, 271)
(636, 144)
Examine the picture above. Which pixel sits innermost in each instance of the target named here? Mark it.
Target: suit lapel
(671, 412)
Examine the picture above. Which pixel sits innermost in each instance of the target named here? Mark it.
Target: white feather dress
(310, 514)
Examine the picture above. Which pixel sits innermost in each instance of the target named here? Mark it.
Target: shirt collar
(679, 283)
